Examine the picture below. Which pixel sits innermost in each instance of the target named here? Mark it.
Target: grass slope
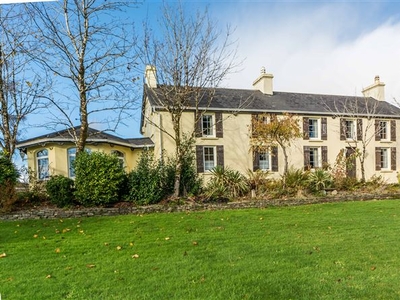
(327, 251)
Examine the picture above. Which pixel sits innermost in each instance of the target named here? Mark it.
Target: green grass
(328, 251)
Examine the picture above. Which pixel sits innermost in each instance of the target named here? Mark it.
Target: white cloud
(326, 49)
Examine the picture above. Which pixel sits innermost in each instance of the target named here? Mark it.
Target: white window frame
(318, 129)
(385, 159)
(318, 163)
(208, 131)
(71, 153)
(209, 164)
(120, 155)
(42, 174)
(384, 132)
(265, 164)
(350, 133)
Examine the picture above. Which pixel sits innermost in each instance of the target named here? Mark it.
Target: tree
(21, 86)
(359, 126)
(88, 49)
(191, 57)
(268, 130)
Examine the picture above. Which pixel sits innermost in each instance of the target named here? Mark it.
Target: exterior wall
(58, 156)
(236, 141)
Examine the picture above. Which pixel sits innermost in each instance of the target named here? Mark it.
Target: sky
(324, 47)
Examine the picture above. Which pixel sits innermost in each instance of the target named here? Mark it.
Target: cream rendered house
(331, 125)
(53, 154)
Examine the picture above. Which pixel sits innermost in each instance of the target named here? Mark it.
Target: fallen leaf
(66, 230)
(48, 276)
(90, 266)
(195, 243)
(35, 236)
(106, 244)
(3, 255)
(135, 256)
(131, 244)
(119, 247)
(373, 268)
(58, 250)
(167, 238)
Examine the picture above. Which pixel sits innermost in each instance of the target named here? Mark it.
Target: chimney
(150, 76)
(376, 90)
(264, 83)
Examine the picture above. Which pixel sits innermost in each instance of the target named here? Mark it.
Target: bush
(8, 196)
(60, 190)
(150, 182)
(319, 180)
(294, 182)
(8, 179)
(99, 178)
(226, 183)
(8, 172)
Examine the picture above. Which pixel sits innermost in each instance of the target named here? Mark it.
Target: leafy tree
(268, 130)
(8, 171)
(190, 57)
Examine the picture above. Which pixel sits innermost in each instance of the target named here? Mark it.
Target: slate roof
(243, 100)
(94, 136)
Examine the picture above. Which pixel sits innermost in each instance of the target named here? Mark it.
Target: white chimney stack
(264, 82)
(376, 90)
(150, 76)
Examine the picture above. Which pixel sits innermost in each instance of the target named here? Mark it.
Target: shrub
(257, 180)
(60, 190)
(319, 180)
(8, 172)
(294, 182)
(8, 179)
(150, 182)
(8, 196)
(226, 183)
(99, 178)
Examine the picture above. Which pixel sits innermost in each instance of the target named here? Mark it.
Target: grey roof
(242, 100)
(94, 136)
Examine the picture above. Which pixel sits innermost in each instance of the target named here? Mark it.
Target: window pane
(384, 158)
(313, 128)
(71, 159)
(207, 125)
(264, 161)
(209, 158)
(383, 129)
(314, 159)
(42, 161)
(350, 129)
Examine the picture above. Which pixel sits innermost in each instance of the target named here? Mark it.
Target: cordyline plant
(268, 130)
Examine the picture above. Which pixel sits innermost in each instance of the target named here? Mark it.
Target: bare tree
(191, 57)
(21, 86)
(359, 126)
(88, 50)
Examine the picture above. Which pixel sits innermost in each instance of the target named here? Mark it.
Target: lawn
(327, 251)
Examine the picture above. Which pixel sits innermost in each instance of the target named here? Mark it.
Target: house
(53, 153)
(331, 125)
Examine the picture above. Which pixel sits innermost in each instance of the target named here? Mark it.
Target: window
(120, 156)
(265, 161)
(207, 125)
(209, 158)
(42, 162)
(313, 130)
(350, 129)
(385, 165)
(384, 130)
(314, 157)
(71, 158)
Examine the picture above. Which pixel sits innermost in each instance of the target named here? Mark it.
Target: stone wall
(53, 213)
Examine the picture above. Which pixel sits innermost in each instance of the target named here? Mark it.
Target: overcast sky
(327, 47)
